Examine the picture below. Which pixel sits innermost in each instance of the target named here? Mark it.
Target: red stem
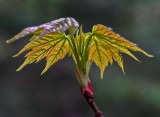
(89, 97)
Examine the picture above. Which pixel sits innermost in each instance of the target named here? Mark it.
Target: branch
(89, 98)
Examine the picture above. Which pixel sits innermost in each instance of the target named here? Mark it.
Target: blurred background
(56, 93)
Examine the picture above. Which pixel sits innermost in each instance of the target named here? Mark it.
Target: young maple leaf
(101, 46)
(107, 45)
(52, 47)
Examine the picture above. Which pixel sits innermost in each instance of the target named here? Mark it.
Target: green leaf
(99, 55)
(53, 47)
(107, 45)
(83, 41)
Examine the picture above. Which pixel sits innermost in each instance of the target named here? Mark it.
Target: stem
(87, 91)
(89, 98)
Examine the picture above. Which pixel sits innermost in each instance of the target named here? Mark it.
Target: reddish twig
(89, 98)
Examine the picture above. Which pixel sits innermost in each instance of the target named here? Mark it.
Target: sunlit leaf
(99, 55)
(80, 41)
(107, 45)
(53, 47)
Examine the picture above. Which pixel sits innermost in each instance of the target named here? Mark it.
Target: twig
(89, 98)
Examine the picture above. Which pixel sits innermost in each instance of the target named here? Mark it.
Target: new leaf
(52, 46)
(107, 45)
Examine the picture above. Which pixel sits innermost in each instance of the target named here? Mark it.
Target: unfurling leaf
(80, 41)
(59, 25)
(107, 45)
(53, 47)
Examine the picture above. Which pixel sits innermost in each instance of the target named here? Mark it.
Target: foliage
(100, 46)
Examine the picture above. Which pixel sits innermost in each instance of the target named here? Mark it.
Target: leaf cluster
(101, 46)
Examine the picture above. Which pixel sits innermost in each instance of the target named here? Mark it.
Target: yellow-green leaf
(80, 41)
(51, 46)
(107, 45)
(99, 55)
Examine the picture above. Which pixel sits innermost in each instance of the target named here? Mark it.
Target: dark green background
(56, 93)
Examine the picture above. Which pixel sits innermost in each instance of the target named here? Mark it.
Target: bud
(84, 82)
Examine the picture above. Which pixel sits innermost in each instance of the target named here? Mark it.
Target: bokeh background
(56, 93)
